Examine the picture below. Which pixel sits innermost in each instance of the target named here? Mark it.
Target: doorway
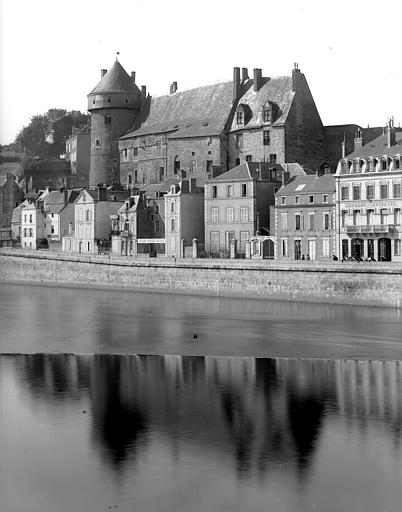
(384, 249)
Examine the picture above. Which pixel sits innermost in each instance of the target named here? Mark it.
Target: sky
(51, 52)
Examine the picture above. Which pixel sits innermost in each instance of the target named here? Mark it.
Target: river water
(126, 401)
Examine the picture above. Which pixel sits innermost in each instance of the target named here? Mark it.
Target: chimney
(101, 193)
(143, 95)
(133, 76)
(295, 76)
(244, 74)
(358, 139)
(390, 133)
(173, 88)
(344, 146)
(236, 84)
(257, 78)
(103, 72)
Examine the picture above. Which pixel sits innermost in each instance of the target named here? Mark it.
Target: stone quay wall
(375, 284)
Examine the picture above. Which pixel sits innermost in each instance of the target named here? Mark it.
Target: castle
(138, 139)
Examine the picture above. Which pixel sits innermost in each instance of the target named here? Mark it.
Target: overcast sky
(51, 52)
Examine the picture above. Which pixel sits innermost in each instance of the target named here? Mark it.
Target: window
(97, 143)
(345, 249)
(384, 165)
(297, 249)
(25, 232)
(214, 191)
(239, 140)
(193, 153)
(156, 209)
(356, 192)
(108, 100)
(356, 214)
(285, 247)
(383, 191)
(209, 168)
(297, 221)
(239, 117)
(397, 163)
(214, 241)
(130, 179)
(172, 207)
(229, 191)
(297, 199)
(326, 220)
(89, 246)
(30, 218)
(370, 192)
(244, 214)
(397, 216)
(311, 221)
(266, 114)
(266, 138)
(135, 176)
(325, 198)
(25, 217)
(244, 236)
(344, 193)
(157, 225)
(284, 220)
(135, 150)
(88, 215)
(244, 189)
(229, 215)
(325, 247)
(249, 158)
(283, 200)
(311, 199)
(230, 235)
(214, 215)
(397, 247)
(397, 190)
(108, 120)
(384, 216)
(30, 232)
(272, 158)
(370, 248)
(159, 146)
(172, 225)
(370, 217)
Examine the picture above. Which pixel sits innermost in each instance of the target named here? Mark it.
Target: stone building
(59, 208)
(11, 195)
(78, 154)
(114, 105)
(92, 211)
(368, 198)
(35, 226)
(203, 131)
(237, 206)
(40, 173)
(304, 218)
(184, 218)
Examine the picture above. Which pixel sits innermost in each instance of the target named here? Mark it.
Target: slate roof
(152, 188)
(202, 111)
(277, 90)
(324, 184)
(378, 147)
(250, 171)
(116, 80)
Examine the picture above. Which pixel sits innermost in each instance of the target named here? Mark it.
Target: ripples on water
(162, 433)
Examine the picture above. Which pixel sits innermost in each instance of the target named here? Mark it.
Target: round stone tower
(114, 105)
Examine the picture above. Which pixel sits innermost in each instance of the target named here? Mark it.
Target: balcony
(371, 229)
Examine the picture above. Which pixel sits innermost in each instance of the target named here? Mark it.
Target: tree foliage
(46, 134)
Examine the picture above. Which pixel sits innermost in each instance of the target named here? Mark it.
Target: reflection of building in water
(265, 413)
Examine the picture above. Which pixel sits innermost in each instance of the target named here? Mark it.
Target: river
(138, 401)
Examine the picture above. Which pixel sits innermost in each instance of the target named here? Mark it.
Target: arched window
(108, 119)
(130, 179)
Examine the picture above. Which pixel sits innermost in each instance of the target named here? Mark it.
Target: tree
(46, 133)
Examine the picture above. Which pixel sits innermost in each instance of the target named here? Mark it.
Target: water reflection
(257, 417)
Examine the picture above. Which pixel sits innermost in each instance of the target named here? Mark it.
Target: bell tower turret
(114, 105)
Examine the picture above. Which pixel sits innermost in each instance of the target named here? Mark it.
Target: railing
(370, 228)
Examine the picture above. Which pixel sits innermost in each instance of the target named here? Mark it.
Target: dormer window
(266, 114)
(240, 117)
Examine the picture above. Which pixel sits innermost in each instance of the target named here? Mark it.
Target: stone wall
(336, 282)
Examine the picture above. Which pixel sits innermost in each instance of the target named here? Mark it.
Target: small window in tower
(135, 150)
(93, 102)
(108, 119)
(108, 100)
(97, 143)
(126, 101)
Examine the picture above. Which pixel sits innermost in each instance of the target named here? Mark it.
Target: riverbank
(367, 284)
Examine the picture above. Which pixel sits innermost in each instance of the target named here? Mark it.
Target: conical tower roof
(116, 80)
